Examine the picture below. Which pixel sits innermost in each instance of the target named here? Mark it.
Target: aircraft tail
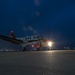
(12, 34)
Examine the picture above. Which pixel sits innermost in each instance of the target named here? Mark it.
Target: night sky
(52, 19)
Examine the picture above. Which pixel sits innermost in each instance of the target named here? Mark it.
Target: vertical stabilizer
(12, 34)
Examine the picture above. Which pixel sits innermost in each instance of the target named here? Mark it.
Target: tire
(38, 49)
(24, 49)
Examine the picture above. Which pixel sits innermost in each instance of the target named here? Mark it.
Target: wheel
(38, 49)
(24, 49)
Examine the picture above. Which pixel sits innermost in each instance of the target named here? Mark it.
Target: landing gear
(38, 49)
(24, 49)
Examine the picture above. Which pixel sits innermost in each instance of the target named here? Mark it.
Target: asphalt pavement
(54, 62)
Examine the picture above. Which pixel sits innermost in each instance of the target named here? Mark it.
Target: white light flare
(50, 43)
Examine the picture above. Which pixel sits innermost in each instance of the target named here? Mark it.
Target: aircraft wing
(12, 40)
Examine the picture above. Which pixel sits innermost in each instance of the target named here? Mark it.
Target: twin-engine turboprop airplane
(24, 42)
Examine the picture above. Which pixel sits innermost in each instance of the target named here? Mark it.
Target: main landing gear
(24, 49)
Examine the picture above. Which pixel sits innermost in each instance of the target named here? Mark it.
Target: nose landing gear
(38, 49)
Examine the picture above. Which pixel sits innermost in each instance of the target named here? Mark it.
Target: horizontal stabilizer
(12, 40)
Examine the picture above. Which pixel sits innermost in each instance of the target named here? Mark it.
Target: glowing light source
(50, 43)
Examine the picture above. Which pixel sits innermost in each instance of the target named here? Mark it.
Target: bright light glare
(50, 44)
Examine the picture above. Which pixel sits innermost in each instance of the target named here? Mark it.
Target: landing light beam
(50, 43)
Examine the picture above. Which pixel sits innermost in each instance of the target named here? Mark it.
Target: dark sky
(54, 19)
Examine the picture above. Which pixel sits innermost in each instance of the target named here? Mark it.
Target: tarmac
(54, 62)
